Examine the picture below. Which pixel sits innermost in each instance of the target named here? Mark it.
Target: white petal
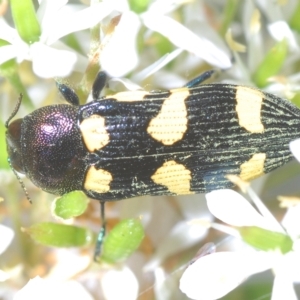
(119, 5)
(3, 276)
(184, 38)
(253, 36)
(72, 290)
(18, 47)
(280, 30)
(164, 7)
(7, 52)
(120, 84)
(215, 275)
(7, 234)
(47, 11)
(271, 10)
(183, 235)
(169, 79)
(288, 264)
(68, 264)
(283, 288)
(120, 284)
(232, 208)
(66, 23)
(31, 289)
(49, 62)
(81, 60)
(119, 55)
(39, 288)
(159, 64)
(295, 148)
(8, 33)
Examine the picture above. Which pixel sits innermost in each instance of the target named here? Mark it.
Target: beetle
(182, 141)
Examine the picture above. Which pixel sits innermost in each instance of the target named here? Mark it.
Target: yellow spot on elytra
(129, 96)
(169, 126)
(254, 167)
(248, 108)
(175, 177)
(97, 180)
(94, 132)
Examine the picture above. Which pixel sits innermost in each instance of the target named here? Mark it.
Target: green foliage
(122, 241)
(25, 20)
(70, 205)
(266, 240)
(271, 64)
(60, 235)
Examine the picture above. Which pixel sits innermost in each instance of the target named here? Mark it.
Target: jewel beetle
(181, 141)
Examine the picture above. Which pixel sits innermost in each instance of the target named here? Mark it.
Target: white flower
(295, 148)
(186, 39)
(49, 56)
(215, 275)
(121, 56)
(120, 284)
(119, 61)
(38, 288)
(7, 235)
(264, 27)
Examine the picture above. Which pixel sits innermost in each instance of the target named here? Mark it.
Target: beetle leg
(101, 234)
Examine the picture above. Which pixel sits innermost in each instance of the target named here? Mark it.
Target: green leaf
(25, 20)
(122, 241)
(295, 20)
(70, 205)
(138, 6)
(4, 43)
(296, 100)
(162, 44)
(271, 64)
(229, 12)
(60, 235)
(266, 240)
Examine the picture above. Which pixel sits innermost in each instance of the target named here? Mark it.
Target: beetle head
(46, 146)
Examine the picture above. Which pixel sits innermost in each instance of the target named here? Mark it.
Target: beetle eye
(13, 140)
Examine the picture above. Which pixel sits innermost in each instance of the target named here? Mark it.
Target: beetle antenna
(16, 109)
(20, 181)
(99, 84)
(101, 234)
(68, 93)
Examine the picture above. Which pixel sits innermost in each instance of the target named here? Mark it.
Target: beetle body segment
(182, 141)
